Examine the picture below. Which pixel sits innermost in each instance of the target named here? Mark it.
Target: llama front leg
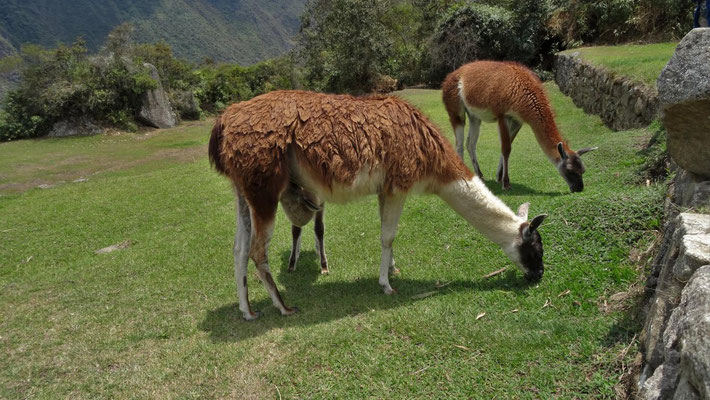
(513, 128)
(295, 247)
(474, 130)
(505, 145)
(319, 229)
(242, 243)
(390, 211)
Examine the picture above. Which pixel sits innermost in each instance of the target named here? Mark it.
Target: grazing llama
(510, 94)
(338, 148)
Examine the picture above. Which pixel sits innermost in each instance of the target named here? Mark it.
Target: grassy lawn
(639, 62)
(159, 318)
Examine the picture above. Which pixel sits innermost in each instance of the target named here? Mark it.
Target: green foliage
(343, 44)
(221, 85)
(614, 21)
(473, 32)
(66, 83)
(655, 164)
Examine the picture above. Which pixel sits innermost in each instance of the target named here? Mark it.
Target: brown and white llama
(301, 207)
(510, 94)
(338, 148)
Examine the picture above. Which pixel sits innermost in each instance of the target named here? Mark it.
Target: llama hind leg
(263, 202)
(263, 230)
(390, 211)
(242, 243)
(319, 229)
(295, 247)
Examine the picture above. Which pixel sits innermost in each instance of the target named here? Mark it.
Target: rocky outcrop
(675, 341)
(620, 102)
(156, 110)
(81, 126)
(684, 89)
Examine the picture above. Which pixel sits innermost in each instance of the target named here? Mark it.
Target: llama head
(571, 167)
(526, 250)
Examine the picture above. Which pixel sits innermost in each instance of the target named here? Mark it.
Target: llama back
(337, 137)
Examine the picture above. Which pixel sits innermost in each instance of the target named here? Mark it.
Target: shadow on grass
(324, 302)
(520, 189)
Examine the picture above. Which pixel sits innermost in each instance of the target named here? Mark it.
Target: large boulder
(684, 92)
(81, 126)
(156, 110)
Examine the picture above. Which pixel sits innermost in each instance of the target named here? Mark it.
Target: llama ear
(523, 211)
(534, 224)
(561, 150)
(586, 150)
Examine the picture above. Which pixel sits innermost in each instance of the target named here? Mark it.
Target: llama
(339, 148)
(301, 207)
(510, 94)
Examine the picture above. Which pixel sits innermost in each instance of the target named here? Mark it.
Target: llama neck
(484, 211)
(547, 134)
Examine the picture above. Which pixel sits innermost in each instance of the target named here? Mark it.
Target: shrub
(469, 33)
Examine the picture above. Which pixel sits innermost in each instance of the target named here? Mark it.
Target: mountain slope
(242, 31)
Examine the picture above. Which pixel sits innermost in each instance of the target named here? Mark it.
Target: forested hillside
(243, 31)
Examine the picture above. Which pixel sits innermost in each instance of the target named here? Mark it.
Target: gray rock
(692, 336)
(684, 93)
(82, 126)
(187, 105)
(156, 110)
(664, 287)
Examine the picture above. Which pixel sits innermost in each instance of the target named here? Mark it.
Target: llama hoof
(389, 291)
(251, 316)
(506, 185)
(291, 269)
(290, 311)
(324, 271)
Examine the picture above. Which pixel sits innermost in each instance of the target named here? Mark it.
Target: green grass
(642, 63)
(159, 319)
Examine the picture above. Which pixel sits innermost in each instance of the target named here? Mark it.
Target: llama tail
(213, 148)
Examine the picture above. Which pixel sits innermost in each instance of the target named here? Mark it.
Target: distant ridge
(241, 31)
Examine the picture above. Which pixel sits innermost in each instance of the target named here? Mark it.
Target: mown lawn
(159, 318)
(640, 62)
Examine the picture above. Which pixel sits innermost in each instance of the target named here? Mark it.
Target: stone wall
(620, 102)
(675, 342)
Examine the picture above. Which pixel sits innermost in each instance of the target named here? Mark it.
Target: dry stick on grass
(494, 273)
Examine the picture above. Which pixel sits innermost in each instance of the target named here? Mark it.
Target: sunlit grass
(159, 318)
(640, 62)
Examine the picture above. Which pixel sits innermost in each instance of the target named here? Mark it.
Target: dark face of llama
(530, 250)
(571, 167)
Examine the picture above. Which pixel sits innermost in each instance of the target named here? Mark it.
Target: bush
(469, 33)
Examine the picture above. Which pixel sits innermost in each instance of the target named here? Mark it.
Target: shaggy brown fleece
(335, 136)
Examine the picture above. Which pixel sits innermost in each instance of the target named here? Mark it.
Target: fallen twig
(565, 293)
(481, 315)
(494, 273)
